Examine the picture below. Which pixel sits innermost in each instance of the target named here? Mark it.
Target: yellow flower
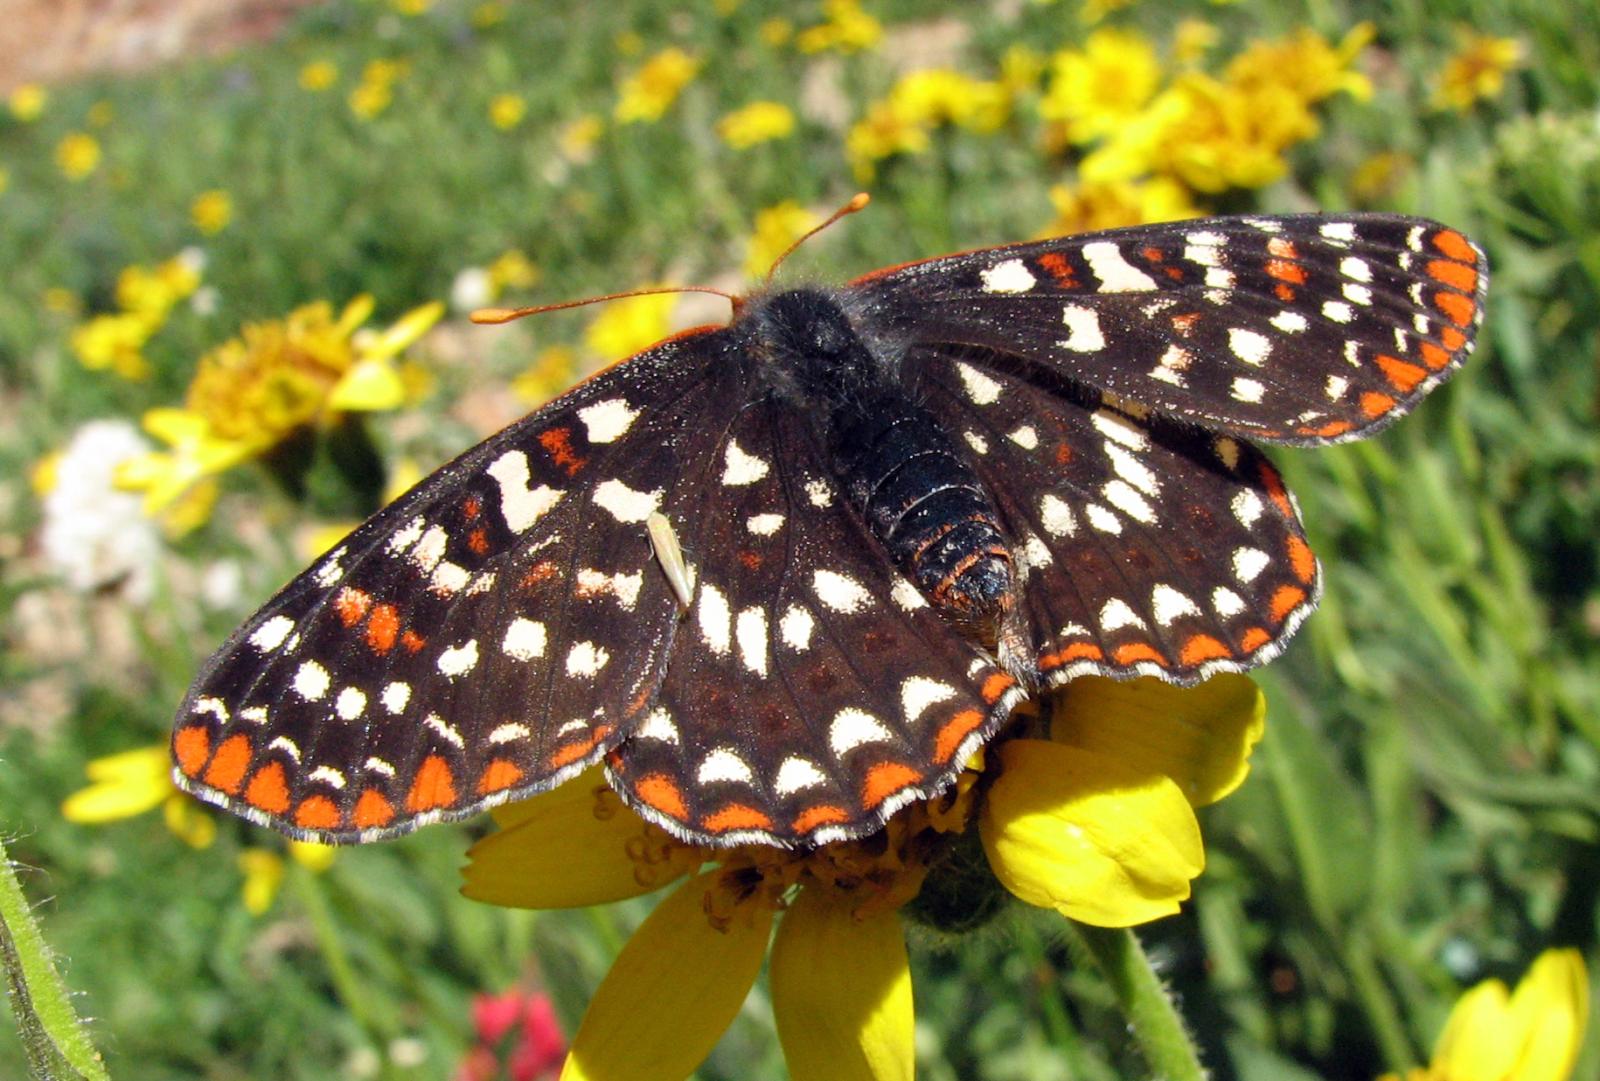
(1305, 65)
(132, 783)
(1096, 822)
(758, 122)
(776, 228)
(507, 110)
(901, 123)
(512, 270)
(847, 29)
(1193, 39)
(211, 211)
(318, 75)
(649, 92)
(776, 32)
(624, 327)
(277, 376)
(1090, 206)
(369, 99)
(883, 132)
(411, 7)
(1477, 71)
(1531, 1034)
(1095, 10)
(577, 139)
(263, 871)
(551, 372)
(28, 101)
(113, 343)
(1102, 88)
(78, 155)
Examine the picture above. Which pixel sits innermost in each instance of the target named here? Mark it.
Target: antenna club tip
(859, 201)
(492, 316)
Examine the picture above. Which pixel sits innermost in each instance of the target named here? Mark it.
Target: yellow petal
(552, 851)
(189, 821)
(405, 330)
(1475, 1044)
(673, 989)
(1550, 1007)
(263, 874)
(355, 313)
(125, 784)
(1200, 736)
(370, 385)
(841, 992)
(313, 856)
(174, 426)
(1080, 832)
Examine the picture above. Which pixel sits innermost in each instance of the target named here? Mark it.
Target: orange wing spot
(372, 810)
(1184, 323)
(1283, 292)
(1285, 600)
(478, 541)
(557, 442)
(471, 507)
(1253, 639)
(995, 686)
(412, 641)
(1175, 273)
(1063, 454)
(1056, 265)
(540, 572)
(1454, 245)
(316, 813)
(1459, 308)
(1460, 275)
(498, 775)
(1152, 254)
(737, 816)
(657, 790)
(1282, 247)
(565, 756)
(191, 745)
(352, 604)
(884, 780)
(1134, 652)
(1405, 377)
(1453, 339)
(823, 814)
(269, 790)
(955, 730)
(1374, 404)
(383, 627)
(1301, 560)
(751, 560)
(1332, 428)
(1433, 356)
(1077, 651)
(1287, 272)
(228, 765)
(435, 786)
(1273, 483)
(1200, 648)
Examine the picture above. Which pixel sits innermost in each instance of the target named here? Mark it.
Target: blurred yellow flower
(1305, 65)
(1089, 206)
(883, 132)
(776, 31)
(847, 29)
(211, 211)
(488, 14)
(28, 101)
(1531, 1034)
(1020, 70)
(776, 228)
(1098, 90)
(577, 139)
(624, 327)
(902, 122)
(1193, 39)
(758, 122)
(385, 71)
(512, 270)
(100, 114)
(77, 155)
(132, 783)
(1095, 10)
(152, 293)
(263, 875)
(507, 110)
(369, 99)
(551, 372)
(113, 343)
(318, 75)
(254, 390)
(411, 7)
(1477, 70)
(649, 92)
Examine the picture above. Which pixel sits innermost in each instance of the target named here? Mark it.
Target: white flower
(472, 288)
(93, 534)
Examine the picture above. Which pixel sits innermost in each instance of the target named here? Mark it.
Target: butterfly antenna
(494, 316)
(858, 202)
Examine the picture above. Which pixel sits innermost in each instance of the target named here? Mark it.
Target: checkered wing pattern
(1301, 329)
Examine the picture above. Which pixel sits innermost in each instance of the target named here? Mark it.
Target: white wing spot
(742, 467)
(1083, 330)
(1337, 385)
(448, 578)
(406, 536)
(1056, 515)
(764, 525)
(1289, 322)
(213, 707)
(607, 421)
(1035, 553)
(715, 619)
(524, 640)
(839, 592)
(1226, 602)
(1116, 614)
(1132, 470)
(819, 492)
(331, 570)
(1339, 230)
(1359, 294)
(853, 727)
(1218, 279)
(1247, 507)
(270, 635)
(437, 723)
(327, 775)
(1338, 311)
(1115, 426)
(1248, 390)
(459, 660)
(796, 626)
(1116, 275)
(658, 726)
(395, 696)
(311, 681)
(980, 388)
(1025, 437)
(1010, 276)
(378, 765)
(750, 630)
(586, 659)
(906, 595)
(625, 504)
(1248, 563)
(1355, 269)
(1249, 346)
(624, 587)
(723, 765)
(796, 775)
(350, 703)
(509, 732)
(917, 693)
(287, 746)
(429, 550)
(1102, 519)
(1123, 496)
(253, 714)
(1167, 604)
(520, 505)
(976, 442)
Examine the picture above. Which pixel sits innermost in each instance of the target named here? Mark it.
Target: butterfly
(902, 505)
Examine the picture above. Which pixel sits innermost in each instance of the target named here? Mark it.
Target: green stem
(1152, 1017)
(56, 1044)
(308, 891)
(1377, 1003)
